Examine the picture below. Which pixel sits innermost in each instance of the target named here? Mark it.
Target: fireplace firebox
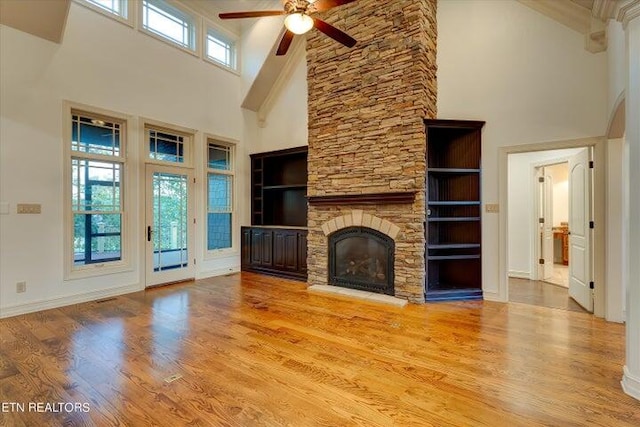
(361, 258)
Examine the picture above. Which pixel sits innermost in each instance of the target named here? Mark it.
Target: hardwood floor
(260, 351)
(542, 294)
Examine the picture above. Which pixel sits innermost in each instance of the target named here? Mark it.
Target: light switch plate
(4, 208)
(492, 207)
(29, 208)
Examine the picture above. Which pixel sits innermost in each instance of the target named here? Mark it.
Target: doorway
(169, 225)
(552, 207)
(550, 212)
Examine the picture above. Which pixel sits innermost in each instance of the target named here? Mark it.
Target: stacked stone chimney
(366, 131)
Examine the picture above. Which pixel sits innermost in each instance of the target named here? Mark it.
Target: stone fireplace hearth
(367, 136)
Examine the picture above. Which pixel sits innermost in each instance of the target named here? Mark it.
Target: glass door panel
(169, 225)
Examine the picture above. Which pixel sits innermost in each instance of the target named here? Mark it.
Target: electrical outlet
(492, 207)
(21, 287)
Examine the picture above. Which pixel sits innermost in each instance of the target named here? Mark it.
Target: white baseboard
(519, 274)
(218, 272)
(631, 384)
(32, 307)
(492, 296)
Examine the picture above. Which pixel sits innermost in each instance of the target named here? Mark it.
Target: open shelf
(455, 246)
(453, 203)
(285, 187)
(451, 257)
(453, 241)
(279, 187)
(452, 170)
(462, 218)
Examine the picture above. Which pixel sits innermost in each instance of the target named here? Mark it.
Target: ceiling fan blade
(283, 47)
(254, 14)
(336, 34)
(322, 5)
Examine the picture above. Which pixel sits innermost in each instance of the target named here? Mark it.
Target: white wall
(559, 174)
(615, 251)
(527, 76)
(127, 72)
(616, 64)
(521, 207)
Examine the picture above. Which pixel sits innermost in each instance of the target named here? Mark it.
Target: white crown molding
(604, 9)
(627, 10)
(566, 12)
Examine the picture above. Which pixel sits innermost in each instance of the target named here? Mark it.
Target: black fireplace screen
(361, 258)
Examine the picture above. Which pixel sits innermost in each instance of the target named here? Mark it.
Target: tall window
(169, 22)
(97, 175)
(221, 49)
(220, 172)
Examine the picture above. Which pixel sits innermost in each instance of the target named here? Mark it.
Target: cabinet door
(261, 252)
(245, 247)
(256, 247)
(279, 242)
(291, 251)
(267, 251)
(285, 250)
(302, 252)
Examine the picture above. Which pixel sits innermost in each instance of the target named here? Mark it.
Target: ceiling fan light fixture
(298, 23)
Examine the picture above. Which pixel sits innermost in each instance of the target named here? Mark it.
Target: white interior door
(579, 231)
(169, 225)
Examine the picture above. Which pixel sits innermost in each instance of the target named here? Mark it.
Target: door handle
(149, 233)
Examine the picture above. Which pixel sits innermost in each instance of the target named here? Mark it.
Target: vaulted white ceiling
(588, 17)
(211, 9)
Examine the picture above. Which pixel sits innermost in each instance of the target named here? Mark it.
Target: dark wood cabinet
(276, 243)
(453, 232)
(275, 250)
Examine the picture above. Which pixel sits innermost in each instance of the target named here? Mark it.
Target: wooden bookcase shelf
(276, 242)
(453, 249)
(279, 187)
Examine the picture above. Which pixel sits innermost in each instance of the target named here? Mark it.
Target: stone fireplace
(361, 257)
(366, 161)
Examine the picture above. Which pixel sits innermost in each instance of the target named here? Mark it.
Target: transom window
(95, 136)
(115, 7)
(165, 146)
(97, 207)
(221, 49)
(220, 176)
(169, 22)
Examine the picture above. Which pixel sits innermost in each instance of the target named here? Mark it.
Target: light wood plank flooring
(542, 294)
(259, 351)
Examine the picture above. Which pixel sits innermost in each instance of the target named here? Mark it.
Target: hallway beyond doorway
(541, 294)
(560, 276)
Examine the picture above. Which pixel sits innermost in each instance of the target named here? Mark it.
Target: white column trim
(629, 15)
(630, 384)
(627, 10)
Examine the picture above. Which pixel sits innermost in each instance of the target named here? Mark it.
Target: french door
(169, 225)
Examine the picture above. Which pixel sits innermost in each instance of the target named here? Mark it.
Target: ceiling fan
(299, 21)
